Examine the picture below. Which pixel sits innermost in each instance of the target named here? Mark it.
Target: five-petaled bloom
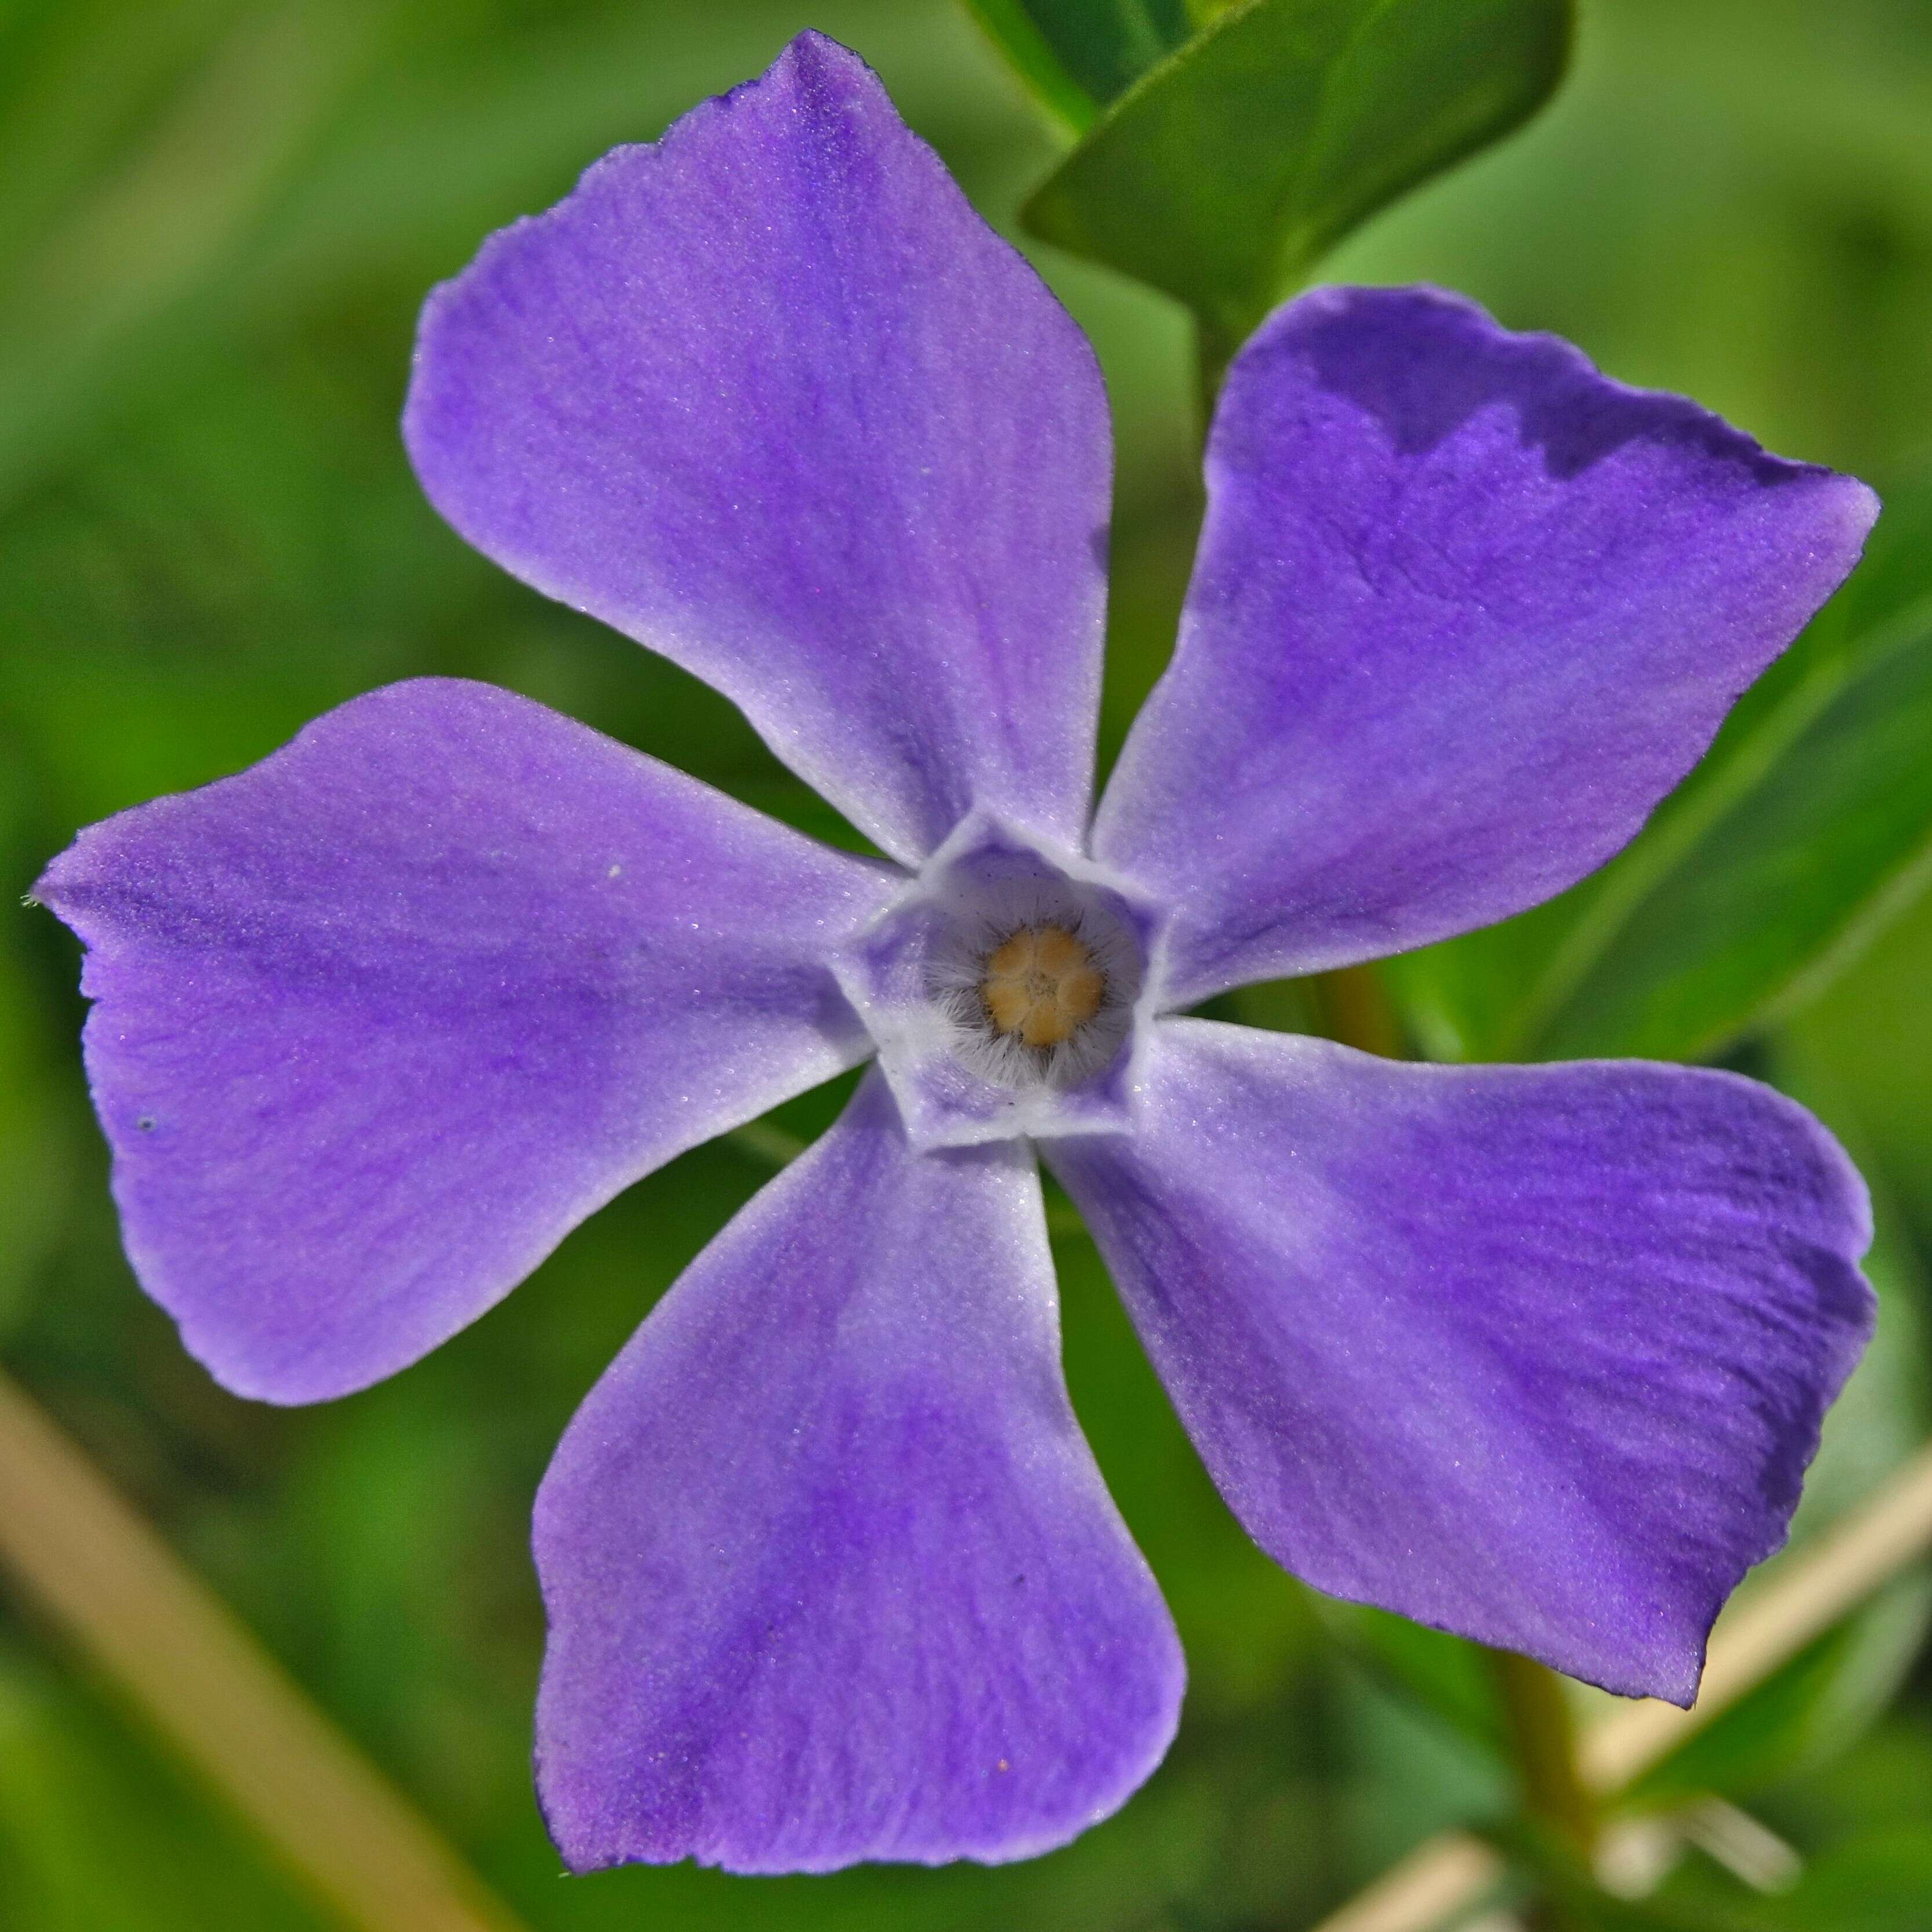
(1538, 1355)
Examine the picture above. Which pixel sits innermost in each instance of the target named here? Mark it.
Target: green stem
(1543, 1741)
(1214, 349)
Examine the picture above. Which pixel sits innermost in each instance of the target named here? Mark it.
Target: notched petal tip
(823, 72)
(770, 397)
(831, 1575)
(1421, 361)
(1465, 610)
(1537, 1355)
(379, 1020)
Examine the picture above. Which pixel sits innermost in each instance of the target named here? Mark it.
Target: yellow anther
(1043, 985)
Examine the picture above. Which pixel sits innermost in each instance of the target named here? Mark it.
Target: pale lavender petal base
(830, 1572)
(979, 887)
(379, 1021)
(1463, 611)
(1535, 1354)
(770, 397)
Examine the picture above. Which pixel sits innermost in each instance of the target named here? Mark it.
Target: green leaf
(1225, 171)
(97, 1831)
(1560, 1880)
(1878, 1882)
(1450, 1674)
(1076, 56)
(1806, 1712)
(1808, 823)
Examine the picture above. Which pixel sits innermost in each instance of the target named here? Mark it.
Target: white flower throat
(1003, 988)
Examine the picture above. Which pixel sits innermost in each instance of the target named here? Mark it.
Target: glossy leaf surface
(1074, 56)
(1226, 171)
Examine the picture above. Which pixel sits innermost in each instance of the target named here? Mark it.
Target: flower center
(1041, 985)
(1004, 988)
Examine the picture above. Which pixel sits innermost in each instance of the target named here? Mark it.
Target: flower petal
(830, 1571)
(381, 1019)
(770, 397)
(1535, 1354)
(1463, 611)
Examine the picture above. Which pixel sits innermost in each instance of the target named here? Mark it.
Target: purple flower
(1538, 1354)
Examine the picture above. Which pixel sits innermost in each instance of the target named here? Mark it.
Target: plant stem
(1357, 1012)
(1214, 349)
(1543, 1741)
(198, 1677)
(1772, 1622)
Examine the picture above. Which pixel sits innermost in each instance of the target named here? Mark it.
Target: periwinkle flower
(1538, 1354)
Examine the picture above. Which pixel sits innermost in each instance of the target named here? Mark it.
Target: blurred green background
(217, 221)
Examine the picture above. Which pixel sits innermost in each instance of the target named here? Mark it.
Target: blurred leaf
(1813, 1708)
(282, 154)
(1586, 1908)
(1450, 1674)
(137, 263)
(1805, 1713)
(1869, 1031)
(1884, 1412)
(1557, 1875)
(40, 1133)
(1808, 822)
(1228, 169)
(38, 1152)
(1076, 56)
(1411, 1775)
(96, 1834)
(1879, 1881)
